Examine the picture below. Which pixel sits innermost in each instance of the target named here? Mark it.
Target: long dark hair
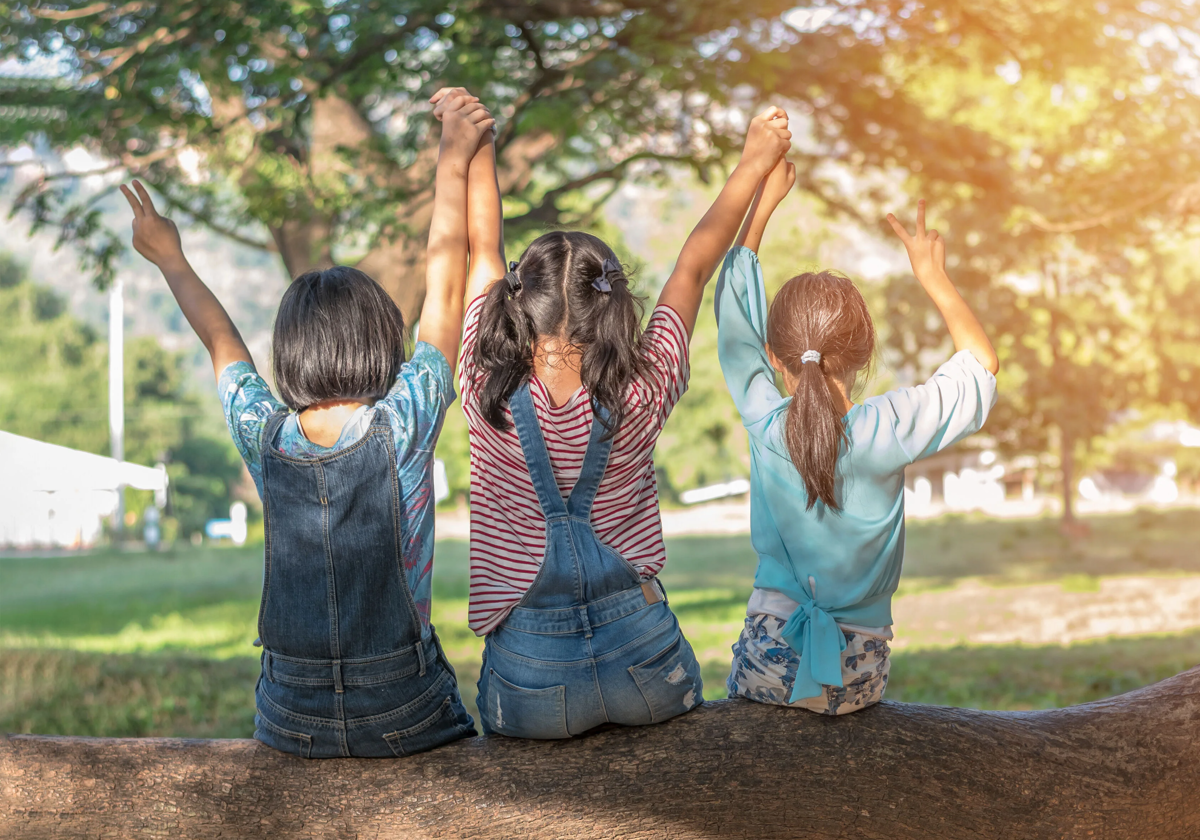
(570, 286)
(826, 313)
(338, 335)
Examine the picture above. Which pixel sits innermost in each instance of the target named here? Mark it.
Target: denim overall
(345, 671)
(589, 643)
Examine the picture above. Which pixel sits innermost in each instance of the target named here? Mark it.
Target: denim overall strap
(537, 458)
(576, 569)
(595, 462)
(533, 444)
(271, 429)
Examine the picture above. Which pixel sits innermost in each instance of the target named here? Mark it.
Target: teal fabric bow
(813, 633)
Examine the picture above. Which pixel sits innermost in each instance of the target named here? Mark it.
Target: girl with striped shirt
(565, 395)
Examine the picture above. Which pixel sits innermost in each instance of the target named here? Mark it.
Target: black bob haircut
(338, 335)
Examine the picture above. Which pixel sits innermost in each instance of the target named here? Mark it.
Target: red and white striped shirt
(508, 530)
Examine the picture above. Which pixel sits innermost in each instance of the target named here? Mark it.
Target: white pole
(116, 388)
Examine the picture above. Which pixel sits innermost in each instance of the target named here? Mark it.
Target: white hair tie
(810, 356)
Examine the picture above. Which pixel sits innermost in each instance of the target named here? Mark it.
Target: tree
(307, 119)
(1085, 318)
(1126, 767)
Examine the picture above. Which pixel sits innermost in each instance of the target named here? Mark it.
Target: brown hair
(570, 285)
(826, 313)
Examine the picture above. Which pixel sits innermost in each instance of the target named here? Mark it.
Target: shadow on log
(1124, 767)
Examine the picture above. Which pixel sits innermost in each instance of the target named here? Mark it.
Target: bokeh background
(1052, 559)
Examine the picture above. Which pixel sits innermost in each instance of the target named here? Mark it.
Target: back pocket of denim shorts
(446, 724)
(284, 740)
(670, 680)
(526, 712)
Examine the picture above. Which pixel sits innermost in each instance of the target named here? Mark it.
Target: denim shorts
(370, 708)
(544, 676)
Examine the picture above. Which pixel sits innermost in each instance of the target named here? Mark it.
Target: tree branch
(88, 11)
(208, 221)
(1102, 220)
(377, 43)
(548, 204)
(1125, 767)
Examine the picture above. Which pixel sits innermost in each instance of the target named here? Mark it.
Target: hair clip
(514, 282)
(602, 283)
(810, 356)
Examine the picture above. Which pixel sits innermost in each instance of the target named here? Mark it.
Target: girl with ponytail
(827, 475)
(565, 395)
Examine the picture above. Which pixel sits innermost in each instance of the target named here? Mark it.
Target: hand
(767, 140)
(444, 96)
(155, 237)
(465, 121)
(778, 183)
(926, 249)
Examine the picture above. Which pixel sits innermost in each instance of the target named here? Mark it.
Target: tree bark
(398, 262)
(303, 246)
(1124, 767)
(1068, 477)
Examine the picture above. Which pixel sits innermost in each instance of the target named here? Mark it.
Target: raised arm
(773, 189)
(766, 142)
(927, 253)
(156, 238)
(464, 122)
(741, 309)
(485, 218)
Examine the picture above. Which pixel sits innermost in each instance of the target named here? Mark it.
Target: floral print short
(764, 669)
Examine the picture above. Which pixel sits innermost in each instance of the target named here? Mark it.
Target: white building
(54, 496)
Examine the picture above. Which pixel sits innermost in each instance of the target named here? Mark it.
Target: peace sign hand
(926, 249)
(155, 237)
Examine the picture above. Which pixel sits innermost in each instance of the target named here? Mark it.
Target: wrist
(172, 262)
(754, 167)
(933, 276)
(455, 165)
(456, 153)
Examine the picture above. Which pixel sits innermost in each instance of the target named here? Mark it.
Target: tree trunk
(1124, 767)
(303, 246)
(1068, 477)
(398, 262)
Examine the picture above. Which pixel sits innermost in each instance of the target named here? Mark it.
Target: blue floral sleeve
(247, 402)
(418, 401)
(416, 408)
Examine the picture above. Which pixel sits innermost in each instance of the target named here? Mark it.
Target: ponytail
(503, 349)
(608, 327)
(819, 328)
(570, 286)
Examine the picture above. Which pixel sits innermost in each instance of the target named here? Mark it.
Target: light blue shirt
(839, 567)
(415, 408)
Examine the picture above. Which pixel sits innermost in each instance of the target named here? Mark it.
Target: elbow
(992, 363)
(986, 356)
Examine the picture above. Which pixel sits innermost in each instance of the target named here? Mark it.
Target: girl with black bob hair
(356, 324)
(565, 395)
(351, 665)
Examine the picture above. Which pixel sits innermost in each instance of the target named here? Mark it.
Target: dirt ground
(976, 613)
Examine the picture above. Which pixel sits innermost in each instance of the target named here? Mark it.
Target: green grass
(160, 644)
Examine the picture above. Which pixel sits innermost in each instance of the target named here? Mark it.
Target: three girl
(565, 393)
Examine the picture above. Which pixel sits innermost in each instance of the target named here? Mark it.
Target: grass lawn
(141, 644)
